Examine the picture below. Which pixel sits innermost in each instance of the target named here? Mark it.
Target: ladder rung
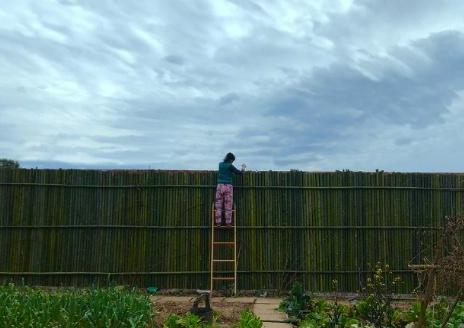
(231, 242)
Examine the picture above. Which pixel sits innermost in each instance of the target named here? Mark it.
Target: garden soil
(227, 312)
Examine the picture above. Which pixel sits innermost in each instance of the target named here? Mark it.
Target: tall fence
(76, 227)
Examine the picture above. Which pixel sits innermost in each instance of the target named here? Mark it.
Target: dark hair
(229, 157)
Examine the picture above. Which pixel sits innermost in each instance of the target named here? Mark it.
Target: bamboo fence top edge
(135, 170)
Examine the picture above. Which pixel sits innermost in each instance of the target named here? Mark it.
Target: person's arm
(235, 170)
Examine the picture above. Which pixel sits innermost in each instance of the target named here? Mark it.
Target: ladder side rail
(212, 250)
(235, 250)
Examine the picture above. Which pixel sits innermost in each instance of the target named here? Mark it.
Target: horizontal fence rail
(181, 273)
(237, 187)
(208, 227)
(85, 227)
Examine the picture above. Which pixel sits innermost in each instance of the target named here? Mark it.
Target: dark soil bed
(227, 314)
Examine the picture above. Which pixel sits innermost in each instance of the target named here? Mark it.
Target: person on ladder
(225, 190)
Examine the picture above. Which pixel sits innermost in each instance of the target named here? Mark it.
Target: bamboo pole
(315, 225)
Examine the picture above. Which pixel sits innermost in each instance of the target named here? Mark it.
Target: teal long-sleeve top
(226, 170)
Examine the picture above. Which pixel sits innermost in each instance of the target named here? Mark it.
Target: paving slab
(275, 325)
(268, 312)
(268, 306)
(266, 300)
(246, 300)
(269, 315)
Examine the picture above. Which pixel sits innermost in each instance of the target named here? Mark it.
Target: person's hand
(243, 167)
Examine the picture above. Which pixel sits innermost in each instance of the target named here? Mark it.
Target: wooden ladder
(229, 243)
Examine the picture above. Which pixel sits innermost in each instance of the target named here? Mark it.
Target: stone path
(266, 309)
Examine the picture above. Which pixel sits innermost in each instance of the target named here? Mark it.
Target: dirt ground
(227, 313)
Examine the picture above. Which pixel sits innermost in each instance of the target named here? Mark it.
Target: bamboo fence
(81, 227)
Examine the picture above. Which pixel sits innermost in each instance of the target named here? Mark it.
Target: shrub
(375, 307)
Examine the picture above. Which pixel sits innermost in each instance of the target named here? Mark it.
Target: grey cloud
(386, 23)
(418, 99)
(296, 163)
(334, 104)
(73, 165)
(249, 5)
(403, 141)
(229, 98)
(173, 59)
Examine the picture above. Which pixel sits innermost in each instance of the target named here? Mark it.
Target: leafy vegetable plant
(249, 320)
(298, 303)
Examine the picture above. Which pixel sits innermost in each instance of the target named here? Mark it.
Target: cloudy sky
(288, 84)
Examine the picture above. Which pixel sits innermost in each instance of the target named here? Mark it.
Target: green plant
(249, 320)
(331, 315)
(376, 304)
(298, 303)
(192, 321)
(336, 311)
(31, 307)
(188, 321)
(173, 321)
(318, 317)
(436, 314)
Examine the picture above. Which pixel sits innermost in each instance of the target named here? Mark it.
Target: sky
(283, 84)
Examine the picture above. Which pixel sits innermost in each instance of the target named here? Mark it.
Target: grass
(22, 306)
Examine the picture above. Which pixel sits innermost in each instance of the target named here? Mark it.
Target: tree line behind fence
(151, 228)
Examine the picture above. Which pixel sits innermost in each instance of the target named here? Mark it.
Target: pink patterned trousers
(224, 195)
